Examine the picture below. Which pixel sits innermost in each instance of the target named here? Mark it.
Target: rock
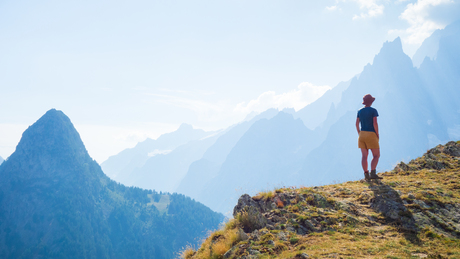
(253, 252)
(263, 232)
(435, 164)
(402, 167)
(290, 228)
(243, 202)
(348, 207)
(255, 235)
(320, 201)
(241, 235)
(310, 226)
(421, 204)
(421, 219)
(301, 230)
(452, 148)
(302, 256)
(388, 202)
(230, 251)
(281, 220)
(283, 236)
(249, 213)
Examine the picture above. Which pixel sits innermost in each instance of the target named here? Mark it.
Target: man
(368, 136)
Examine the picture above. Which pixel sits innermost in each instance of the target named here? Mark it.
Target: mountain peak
(50, 144)
(392, 54)
(391, 48)
(55, 200)
(396, 43)
(52, 132)
(185, 126)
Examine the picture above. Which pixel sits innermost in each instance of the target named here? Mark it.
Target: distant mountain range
(173, 155)
(418, 107)
(119, 167)
(1, 160)
(55, 202)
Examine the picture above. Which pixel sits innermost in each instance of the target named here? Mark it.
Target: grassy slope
(162, 204)
(414, 212)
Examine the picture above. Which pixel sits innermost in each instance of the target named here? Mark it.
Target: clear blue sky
(127, 70)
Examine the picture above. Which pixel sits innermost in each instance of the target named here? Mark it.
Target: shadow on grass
(388, 202)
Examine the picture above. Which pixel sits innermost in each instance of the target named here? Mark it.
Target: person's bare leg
(375, 159)
(365, 153)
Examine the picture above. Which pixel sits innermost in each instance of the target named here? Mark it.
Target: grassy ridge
(414, 212)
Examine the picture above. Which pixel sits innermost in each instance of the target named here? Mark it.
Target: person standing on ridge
(368, 136)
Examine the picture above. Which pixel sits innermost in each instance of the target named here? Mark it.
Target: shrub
(232, 237)
(231, 224)
(264, 195)
(217, 234)
(250, 219)
(279, 246)
(219, 249)
(294, 240)
(267, 237)
(187, 253)
(430, 234)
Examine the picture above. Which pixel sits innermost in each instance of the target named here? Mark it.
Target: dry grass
(219, 249)
(366, 234)
(217, 244)
(264, 196)
(188, 253)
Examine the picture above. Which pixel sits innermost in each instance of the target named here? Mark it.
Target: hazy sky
(126, 70)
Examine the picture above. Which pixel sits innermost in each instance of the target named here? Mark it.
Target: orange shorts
(368, 140)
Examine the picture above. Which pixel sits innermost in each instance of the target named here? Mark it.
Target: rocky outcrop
(388, 202)
(416, 203)
(435, 158)
(273, 213)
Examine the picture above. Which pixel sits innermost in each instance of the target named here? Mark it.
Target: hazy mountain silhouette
(430, 46)
(418, 109)
(412, 104)
(55, 202)
(441, 77)
(314, 114)
(263, 156)
(203, 170)
(120, 167)
(1, 160)
(165, 171)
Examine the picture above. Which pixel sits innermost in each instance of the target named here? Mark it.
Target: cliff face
(414, 212)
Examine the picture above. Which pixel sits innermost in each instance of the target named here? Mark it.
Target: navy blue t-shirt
(366, 117)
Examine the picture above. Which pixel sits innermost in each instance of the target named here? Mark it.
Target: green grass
(162, 204)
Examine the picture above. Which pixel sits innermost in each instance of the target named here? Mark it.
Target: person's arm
(357, 125)
(376, 127)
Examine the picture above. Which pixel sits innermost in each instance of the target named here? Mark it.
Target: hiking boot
(366, 176)
(374, 175)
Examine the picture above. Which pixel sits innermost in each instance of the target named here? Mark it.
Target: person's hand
(378, 135)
